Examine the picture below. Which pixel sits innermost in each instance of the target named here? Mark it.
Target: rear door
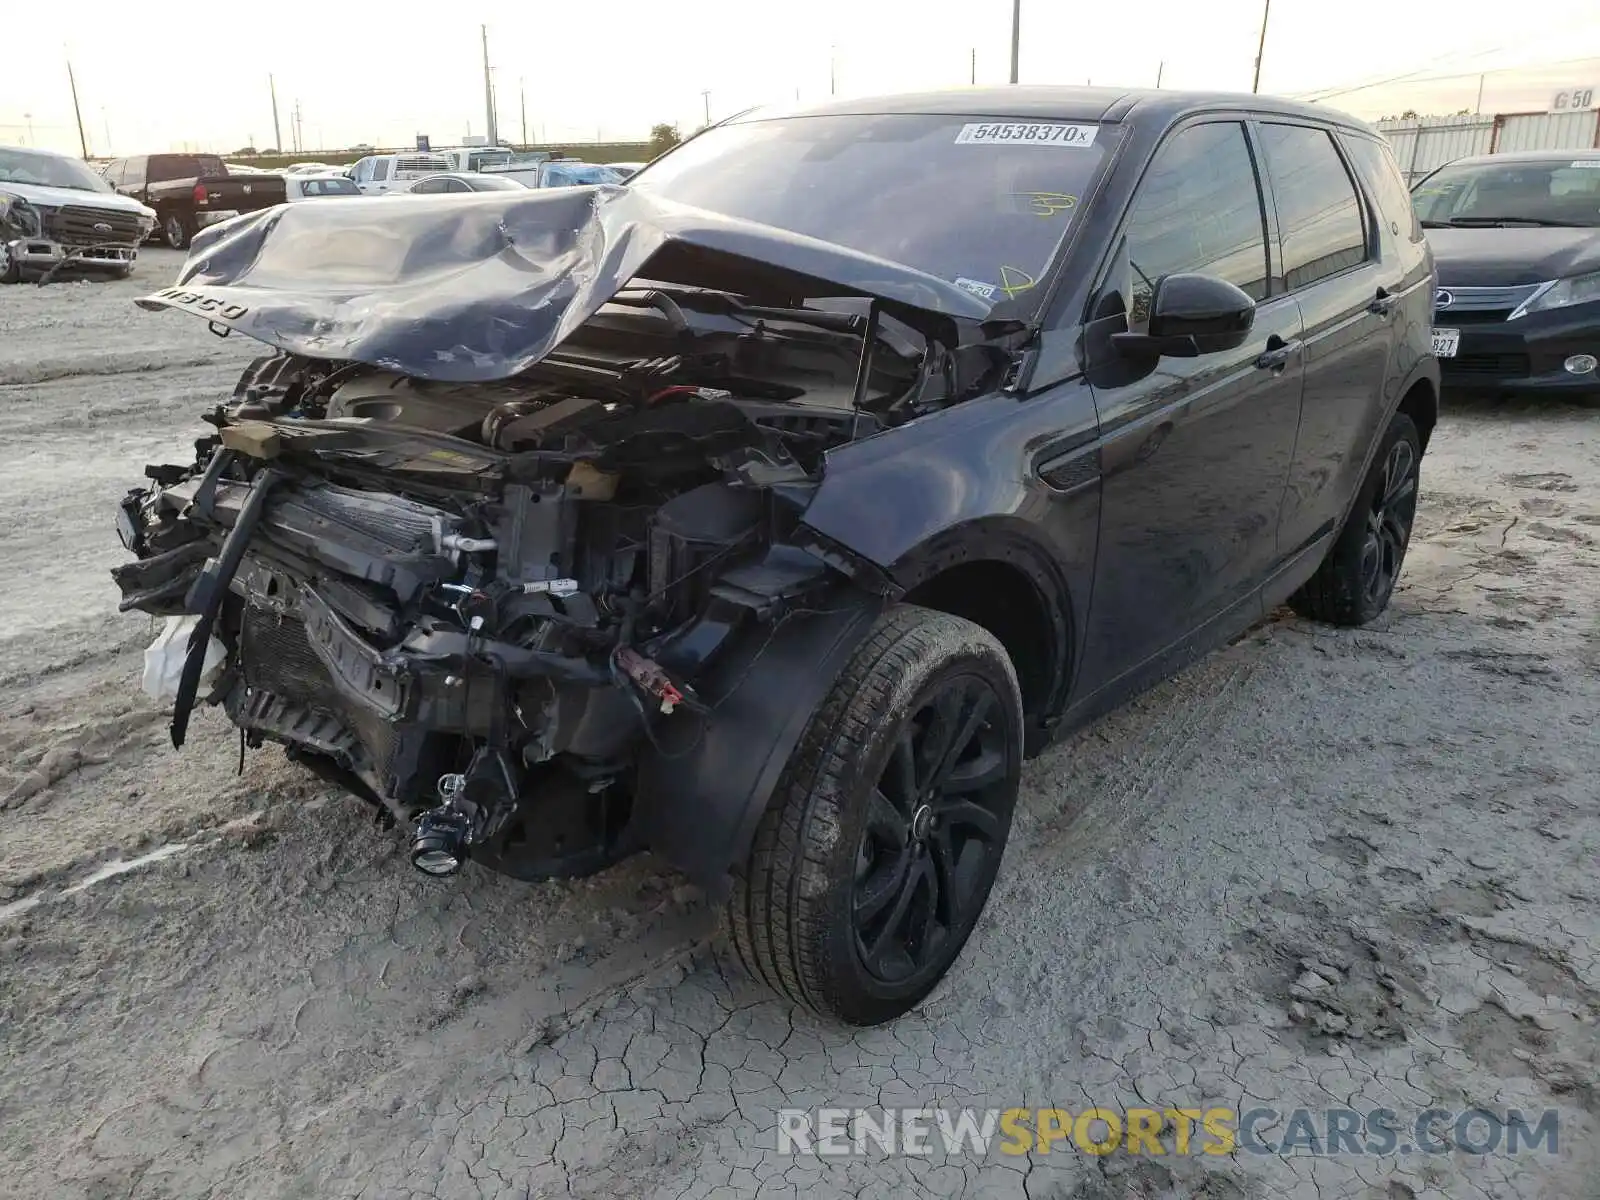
(1350, 291)
(1196, 451)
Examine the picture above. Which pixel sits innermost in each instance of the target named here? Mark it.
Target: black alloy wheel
(1356, 578)
(934, 832)
(1389, 519)
(881, 842)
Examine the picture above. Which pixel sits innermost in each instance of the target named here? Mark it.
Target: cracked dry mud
(1321, 868)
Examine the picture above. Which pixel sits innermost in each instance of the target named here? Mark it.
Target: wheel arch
(994, 573)
(1420, 402)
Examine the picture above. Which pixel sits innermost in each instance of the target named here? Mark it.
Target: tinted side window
(1319, 212)
(1375, 163)
(1198, 209)
(380, 168)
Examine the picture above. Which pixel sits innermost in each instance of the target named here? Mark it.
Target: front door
(1195, 452)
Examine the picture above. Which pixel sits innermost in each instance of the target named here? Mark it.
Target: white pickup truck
(380, 174)
(56, 215)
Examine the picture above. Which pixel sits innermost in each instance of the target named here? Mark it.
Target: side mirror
(1191, 315)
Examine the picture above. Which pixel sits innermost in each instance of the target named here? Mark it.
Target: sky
(610, 69)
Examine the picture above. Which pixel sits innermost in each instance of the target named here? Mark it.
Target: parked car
(312, 168)
(379, 174)
(562, 172)
(314, 187)
(434, 185)
(745, 525)
(56, 214)
(474, 158)
(191, 191)
(1517, 240)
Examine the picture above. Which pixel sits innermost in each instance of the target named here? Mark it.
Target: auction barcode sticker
(1020, 133)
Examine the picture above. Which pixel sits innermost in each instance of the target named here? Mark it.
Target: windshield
(574, 174)
(1547, 192)
(49, 170)
(980, 202)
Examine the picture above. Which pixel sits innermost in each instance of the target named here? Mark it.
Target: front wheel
(875, 858)
(1356, 579)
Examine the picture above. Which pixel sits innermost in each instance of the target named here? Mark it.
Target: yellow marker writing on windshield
(1048, 204)
(1014, 280)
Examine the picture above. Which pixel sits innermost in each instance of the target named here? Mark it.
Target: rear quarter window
(1380, 173)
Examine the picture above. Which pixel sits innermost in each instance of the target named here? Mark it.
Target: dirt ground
(269, 1002)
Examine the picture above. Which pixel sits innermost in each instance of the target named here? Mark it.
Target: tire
(847, 845)
(11, 272)
(1356, 579)
(177, 230)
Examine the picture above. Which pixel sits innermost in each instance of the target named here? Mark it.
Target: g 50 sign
(1577, 99)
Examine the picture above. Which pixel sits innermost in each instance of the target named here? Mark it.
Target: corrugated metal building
(1424, 144)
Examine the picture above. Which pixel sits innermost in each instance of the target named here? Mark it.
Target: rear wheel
(1355, 581)
(177, 230)
(876, 857)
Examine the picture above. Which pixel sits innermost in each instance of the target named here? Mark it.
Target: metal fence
(1427, 143)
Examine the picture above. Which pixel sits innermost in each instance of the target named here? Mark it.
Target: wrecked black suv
(767, 512)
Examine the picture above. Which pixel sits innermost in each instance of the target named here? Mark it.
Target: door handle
(1278, 353)
(1383, 303)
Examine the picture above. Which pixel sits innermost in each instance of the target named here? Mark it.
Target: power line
(1417, 77)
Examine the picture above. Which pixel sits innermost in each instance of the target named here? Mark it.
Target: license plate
(1446, 342)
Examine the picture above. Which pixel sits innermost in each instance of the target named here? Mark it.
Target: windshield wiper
(1491, 222)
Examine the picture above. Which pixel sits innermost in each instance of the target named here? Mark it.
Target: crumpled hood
(1512, 256)
(480, 287)
(57, 197)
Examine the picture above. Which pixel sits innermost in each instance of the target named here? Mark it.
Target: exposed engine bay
(479, 603)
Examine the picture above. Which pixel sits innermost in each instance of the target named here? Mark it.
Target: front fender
(704, 786)
(991, 480)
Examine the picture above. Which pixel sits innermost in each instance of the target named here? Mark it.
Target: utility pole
(1016, 36)
(1478, 108)
(1266, 11)
(1160, 67)
(488, 89)
(706, 96)
(833, 70)
(107, 121)
(522, 86)
(972, 73)
(277, 134)
(83, 142)
(299, 139)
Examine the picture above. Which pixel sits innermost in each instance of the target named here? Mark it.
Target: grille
(1476, 305)
(1486, 366)
(75, 225)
